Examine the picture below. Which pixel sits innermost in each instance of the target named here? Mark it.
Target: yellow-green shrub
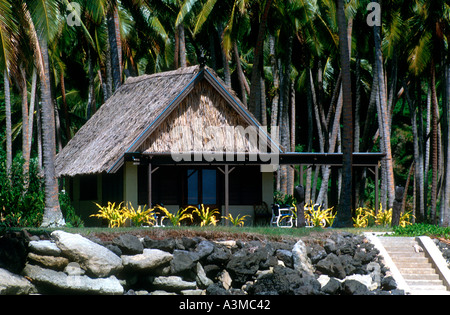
(139, 217)
(207, 216)
(238, 221)
(115, 215)
(176, 218)
(319, 217)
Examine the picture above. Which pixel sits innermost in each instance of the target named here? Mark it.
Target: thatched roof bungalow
(177, 138)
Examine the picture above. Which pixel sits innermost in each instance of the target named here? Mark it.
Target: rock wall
(341, 263)
(444, 247)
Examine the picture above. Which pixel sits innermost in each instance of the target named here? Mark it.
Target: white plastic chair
(282, 216)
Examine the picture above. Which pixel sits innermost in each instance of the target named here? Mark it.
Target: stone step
(402, 248)
(429, 292)
(413, 264)
(421, 277)
(427, 287)
(404, 260)
(397, 240)
(415, 267)
(416, 271)
(426, 283)
(404, 255)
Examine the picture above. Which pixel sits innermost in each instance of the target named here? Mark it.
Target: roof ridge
(177, 72)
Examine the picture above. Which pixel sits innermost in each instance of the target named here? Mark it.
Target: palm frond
(421, 54)
(8, 31)
(45, 17)
(203, 15)
(185, 11)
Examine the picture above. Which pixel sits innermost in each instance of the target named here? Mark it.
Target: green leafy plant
(238, 221)
(176, 218)
(139, 217)
(281, 199)
(207, 216)
(21, 197)
(419, 229)
(364, 217)
(319, 217)
(72, 219)
(115, 215)
(384, 217)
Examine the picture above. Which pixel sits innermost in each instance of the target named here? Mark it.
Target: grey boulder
(149, 259)
(60, 281)
(97, 260)
(11, 283)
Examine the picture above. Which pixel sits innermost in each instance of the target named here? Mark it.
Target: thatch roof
(137, 118)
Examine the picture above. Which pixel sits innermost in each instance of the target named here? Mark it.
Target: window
(201, 186)
(192, 187)
(88, 187)
(245, 185)
(209, 187)
(165, 185)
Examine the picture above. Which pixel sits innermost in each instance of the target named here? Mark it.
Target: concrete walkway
(414, 264)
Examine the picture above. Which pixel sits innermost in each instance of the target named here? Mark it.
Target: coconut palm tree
(255, 89)
(8, 27)
(427, 46)
(44, 19)
(344, 213)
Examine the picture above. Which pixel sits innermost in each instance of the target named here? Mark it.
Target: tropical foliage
(139, 217)
(206, 215)
(367, 217)
(238, 220)
(317, 69)
(115, 215)
(175, 218)
(317, 216)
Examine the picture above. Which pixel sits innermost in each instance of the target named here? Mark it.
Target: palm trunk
(276, 83)
(255, 91)
(316, 112)
(384, 117)
(291, 171)
(182, 46)
(242, 80)
(114, 49)
(226, 65)
(309, 197)
(66, 107)
(434, 144)
(344, 213)
(25, 130)
(8, 121)
(284, 113)
(358, 104)
(108, 72)
(322, 197)
(263, 102)
(52, 212)
(39, 136)
(91, 92)
(418, 158)
(32, 106)
(445, 207)
(284, 126)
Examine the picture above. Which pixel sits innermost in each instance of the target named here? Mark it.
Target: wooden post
(376, 189)
(227, 192)
(150, 185)
(299, 194)
(397, 207)
(130, 181)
